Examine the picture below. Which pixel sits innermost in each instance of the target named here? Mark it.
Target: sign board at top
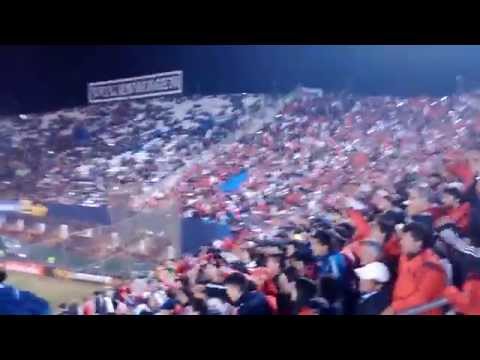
(136, 88)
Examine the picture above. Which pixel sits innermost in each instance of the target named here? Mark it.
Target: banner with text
(136, 88)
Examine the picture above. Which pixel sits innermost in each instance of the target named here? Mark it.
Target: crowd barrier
(417, 310)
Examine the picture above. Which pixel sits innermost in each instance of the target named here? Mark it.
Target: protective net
(135, 242)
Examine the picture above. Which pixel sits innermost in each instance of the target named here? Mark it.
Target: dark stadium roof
(39, 78)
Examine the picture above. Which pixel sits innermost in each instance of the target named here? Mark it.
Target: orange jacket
(362, 231)
(466, 301)
(362, 227)
(420, 281)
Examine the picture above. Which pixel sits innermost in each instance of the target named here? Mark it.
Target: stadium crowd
(76, 156)
(353, 205)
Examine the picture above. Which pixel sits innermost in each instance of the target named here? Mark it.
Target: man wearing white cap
(375, 294)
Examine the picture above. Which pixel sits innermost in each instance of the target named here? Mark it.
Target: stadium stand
(307, 195)
(70, 157)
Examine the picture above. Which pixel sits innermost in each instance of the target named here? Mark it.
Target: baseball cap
(374, 271)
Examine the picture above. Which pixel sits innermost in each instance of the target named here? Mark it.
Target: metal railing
(417, 310)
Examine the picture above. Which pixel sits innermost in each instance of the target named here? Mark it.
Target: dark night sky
(40, 78)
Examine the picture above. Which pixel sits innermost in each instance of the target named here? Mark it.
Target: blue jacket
(18, 302)
(253, 303)
(374, 303)
(333, 264)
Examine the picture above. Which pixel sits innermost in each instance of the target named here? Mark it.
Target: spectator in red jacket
(362, 227)
(421, 277)
(466, 301)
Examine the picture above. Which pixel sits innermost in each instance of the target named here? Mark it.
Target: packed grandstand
(334, 203)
